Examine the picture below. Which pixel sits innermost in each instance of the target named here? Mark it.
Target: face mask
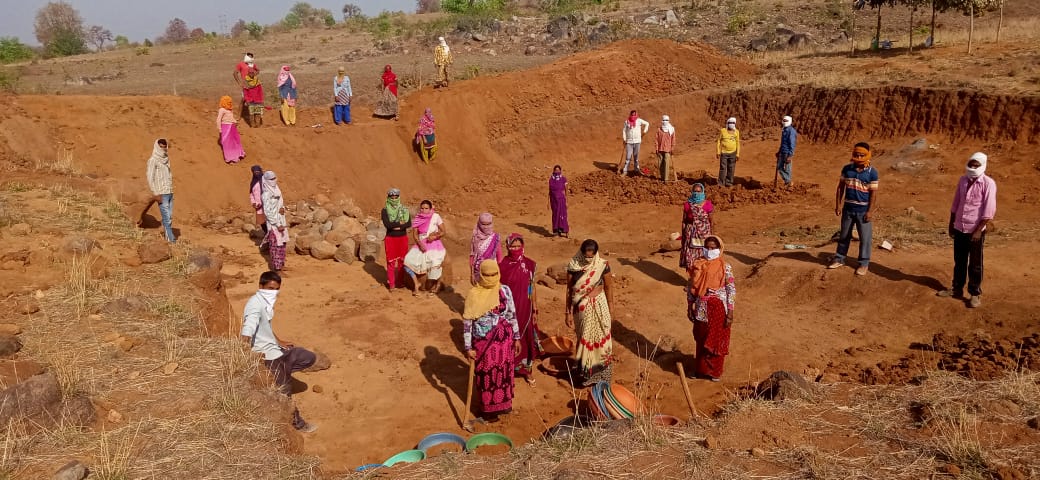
(712, 253)
(731, 126)
(975, 172)
(698, 197)
(269, 296)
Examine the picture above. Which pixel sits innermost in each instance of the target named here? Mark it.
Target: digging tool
(686, 389)
(467, 424)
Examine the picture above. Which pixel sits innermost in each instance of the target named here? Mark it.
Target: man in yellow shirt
(442, 58)
(727, 149)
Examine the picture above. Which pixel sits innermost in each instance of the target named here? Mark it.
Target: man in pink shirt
(974, 205)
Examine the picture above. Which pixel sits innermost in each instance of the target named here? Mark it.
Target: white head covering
(270, 184)
(787, 120)
(666, 125)
(731, 121)
(248, 59)
(444, 43)
(976, 172)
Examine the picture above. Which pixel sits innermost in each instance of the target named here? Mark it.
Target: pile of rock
(334, 231)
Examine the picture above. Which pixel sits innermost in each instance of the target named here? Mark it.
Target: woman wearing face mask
(709, 298)
(518, 274)
(698, 223)
(485, 245)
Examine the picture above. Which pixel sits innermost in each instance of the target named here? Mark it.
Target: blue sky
(140, 19)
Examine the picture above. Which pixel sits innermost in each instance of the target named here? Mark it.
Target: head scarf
(270, 184)
(787, 120)
(395, 210)
(484, 296)
(666, 125)
(390, 79)
(864, 161)
(509, 242)
(159, 154)
(225, 103)
(422, 220)
(981, 170)
(731, 123)
(482, 234)
(444, 44)
(426, 123)
(632, 117)
(557, 176)
(258, 176)
(696, 197)
(247, 59)
(708, 274)
(284, 75)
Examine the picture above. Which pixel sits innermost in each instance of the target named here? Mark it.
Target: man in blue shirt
(784, 155)
(854, 202)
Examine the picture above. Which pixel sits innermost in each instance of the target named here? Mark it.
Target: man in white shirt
(282, 358)
(632, 137)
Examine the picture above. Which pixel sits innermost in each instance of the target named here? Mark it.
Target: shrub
(255, 30)
(11, 50)
(472, 6)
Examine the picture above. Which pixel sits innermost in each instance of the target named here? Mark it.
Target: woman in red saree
(709, 299)
(387, 105)
(492, 340)
(518, 274)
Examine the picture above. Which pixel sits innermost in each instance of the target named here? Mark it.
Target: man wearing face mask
(854, 202)
(281, 358)
(974, 205)
(727, 151)
(788, 137)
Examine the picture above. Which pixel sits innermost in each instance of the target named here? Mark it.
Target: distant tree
(59, 28)
(878, 5)
(177, 31)
(350, 11)
(122, 41)
(98, 35)
(238, 29)
(973, 8)
(427, 6)
(328, 18)
(11, 50)
(197, 34)
(255, 30)
(292, 21)
(913, 5)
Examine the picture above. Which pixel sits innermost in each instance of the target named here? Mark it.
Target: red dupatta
(390, 80)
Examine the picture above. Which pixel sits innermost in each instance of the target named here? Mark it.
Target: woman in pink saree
(230, 141)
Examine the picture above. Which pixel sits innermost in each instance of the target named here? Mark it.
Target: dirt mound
(842, 115)
(625, 72)
(609, 185)
(976, 358)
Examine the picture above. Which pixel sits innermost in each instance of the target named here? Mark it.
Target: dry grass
(204, 420)
(63, 162)
(853, 432)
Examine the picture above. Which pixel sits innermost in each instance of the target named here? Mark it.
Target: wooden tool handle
(686, 389)
(469, 392)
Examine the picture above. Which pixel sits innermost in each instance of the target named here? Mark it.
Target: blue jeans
(866, 231)
(631, 154)
(166, 210)
(341, 113)
(783, 167)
